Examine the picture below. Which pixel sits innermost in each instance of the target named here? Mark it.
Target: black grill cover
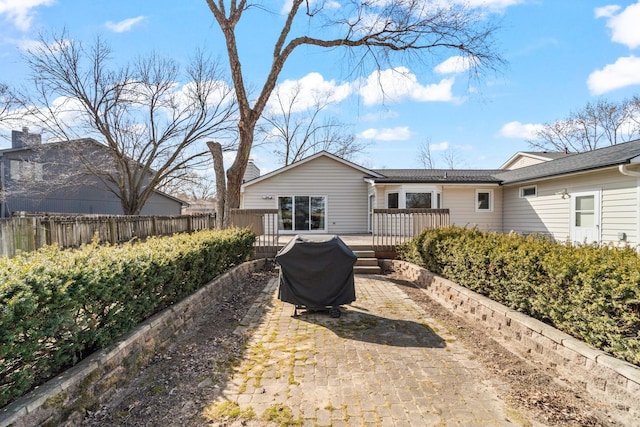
(316, 272)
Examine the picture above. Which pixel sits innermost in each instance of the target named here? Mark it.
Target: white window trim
(523, 196)
(386, 198)
(293, 196)
(475, 202)
(412, 188)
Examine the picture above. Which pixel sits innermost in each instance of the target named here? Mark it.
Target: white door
(585, 217)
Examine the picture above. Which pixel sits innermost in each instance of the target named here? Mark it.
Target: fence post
(113, 231)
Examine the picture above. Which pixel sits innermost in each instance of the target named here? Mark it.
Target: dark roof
(436, 176)
(562, 164)
(613, 155)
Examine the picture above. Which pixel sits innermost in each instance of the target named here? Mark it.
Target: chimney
(24, 139)
(252, 171)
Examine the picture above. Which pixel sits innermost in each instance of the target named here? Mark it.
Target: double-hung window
(484, 200)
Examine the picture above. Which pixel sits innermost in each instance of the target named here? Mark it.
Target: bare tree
(297, 131)
(374, 32)
(8, 103)
(193, 186)
(596, 125)
(152, 129)
(452, 159)
(424, 155)
(222, 208)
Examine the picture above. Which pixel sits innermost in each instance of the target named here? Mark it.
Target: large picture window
(301, 213)
(418, 200)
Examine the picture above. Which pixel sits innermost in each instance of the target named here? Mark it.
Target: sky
(560, 55)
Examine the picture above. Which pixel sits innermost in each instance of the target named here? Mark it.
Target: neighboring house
(585, 197)
(48, 178)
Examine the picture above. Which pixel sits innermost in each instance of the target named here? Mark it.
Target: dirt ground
(177, 385)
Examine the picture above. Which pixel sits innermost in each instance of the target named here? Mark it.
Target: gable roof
(365, 171)
(556, 164)
(425, 176)
(83, 142)
(541, 156)
(613, 155)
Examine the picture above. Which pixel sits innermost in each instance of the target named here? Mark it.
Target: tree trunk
(221, 194)
(235, 173)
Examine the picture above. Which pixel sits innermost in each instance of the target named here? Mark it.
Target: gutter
(624, 171)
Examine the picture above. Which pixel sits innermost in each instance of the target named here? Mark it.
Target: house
(584, 197)
(53, 178)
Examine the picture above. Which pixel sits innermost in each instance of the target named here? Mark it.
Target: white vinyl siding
(461, 202)
(524, 161)
(342, 185)
(549, 212)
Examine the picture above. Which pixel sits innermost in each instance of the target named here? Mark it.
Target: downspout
(624, 171)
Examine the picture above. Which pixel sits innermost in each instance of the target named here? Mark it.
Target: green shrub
(590, 292)
(57, 306)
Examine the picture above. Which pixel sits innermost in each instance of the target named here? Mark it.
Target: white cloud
(20, 12)
(302, 94)
(606, 11)
(520, 130)
(455, 64)
(399, 84)
(492, 5)
(623, 25)
(441, 146)
(389, 134)
(624, 72)
(124, 25)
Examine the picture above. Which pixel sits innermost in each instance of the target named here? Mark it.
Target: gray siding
(83, 194)
(343, 186)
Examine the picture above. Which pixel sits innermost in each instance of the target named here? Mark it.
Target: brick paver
(384, 362)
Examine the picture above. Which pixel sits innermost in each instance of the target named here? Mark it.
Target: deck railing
(391, 227)
(263, 222)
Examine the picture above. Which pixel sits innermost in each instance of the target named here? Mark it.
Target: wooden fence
(392, 227)
(263, 222)
(29, 233)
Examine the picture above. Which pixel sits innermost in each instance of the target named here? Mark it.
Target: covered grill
(316, 272)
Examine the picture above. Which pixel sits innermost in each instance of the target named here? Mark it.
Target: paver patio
(384, 362)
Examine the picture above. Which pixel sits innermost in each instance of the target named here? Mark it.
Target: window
(392, 201)
(585, 211)
(301, 213)
(529, 191)
(418, 200)
(25, 171)
(484, 200)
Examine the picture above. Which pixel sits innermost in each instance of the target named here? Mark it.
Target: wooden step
(367, 263)
(365, 254)
(366, 269)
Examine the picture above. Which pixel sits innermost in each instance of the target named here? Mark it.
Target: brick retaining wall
(603, 376)
(64, 399)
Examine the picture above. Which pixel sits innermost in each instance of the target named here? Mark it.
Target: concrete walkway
(384, 362)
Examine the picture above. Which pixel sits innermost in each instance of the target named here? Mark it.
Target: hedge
(57, 306)
(591, 292)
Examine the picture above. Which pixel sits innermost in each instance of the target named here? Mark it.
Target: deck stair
(367, 263)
